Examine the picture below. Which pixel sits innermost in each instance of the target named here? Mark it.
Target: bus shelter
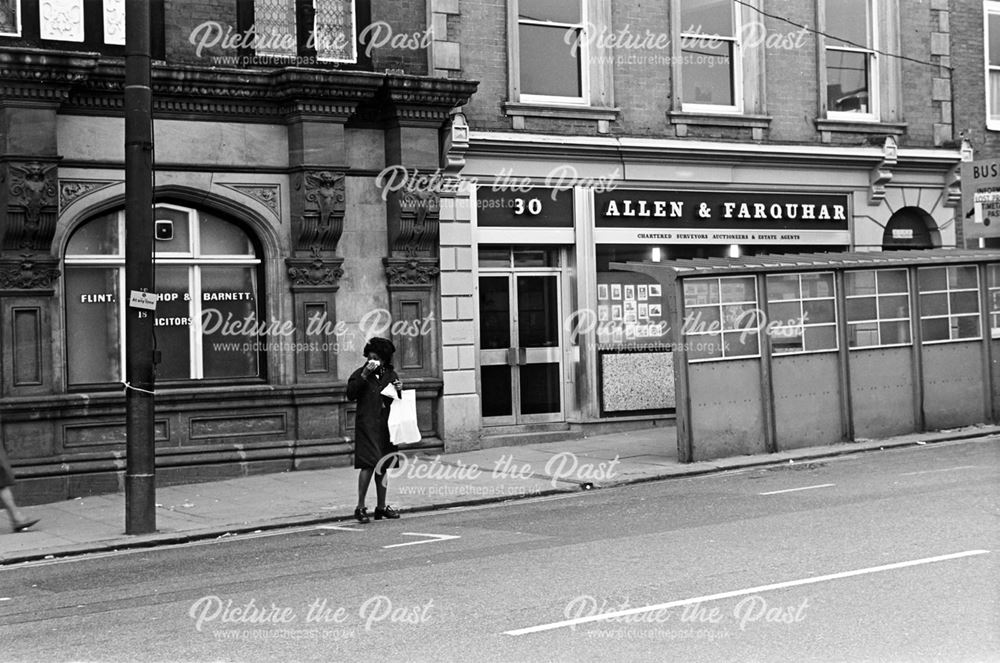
(778, 352)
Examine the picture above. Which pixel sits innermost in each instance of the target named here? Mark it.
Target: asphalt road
(885, 556)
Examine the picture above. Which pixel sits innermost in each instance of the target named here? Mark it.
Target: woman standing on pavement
(371, 424)
(17, 519)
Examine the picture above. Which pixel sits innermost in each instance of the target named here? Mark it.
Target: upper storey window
(552, 50)
(711, 56)
(851, 65)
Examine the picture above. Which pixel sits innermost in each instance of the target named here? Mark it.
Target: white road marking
(943, 469)
(434, 537)
(792, 490)
(744, 592)
(338, 527)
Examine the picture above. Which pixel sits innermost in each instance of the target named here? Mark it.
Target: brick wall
(968, 78)
(181, 17)
(642, 87)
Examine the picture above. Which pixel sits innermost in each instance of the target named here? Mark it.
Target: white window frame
(583, 57)
(993, 298)
(690, 338)
(735, 65)
(949, 316)
(877, 295)
(989, 7)
(192, 259)
(874, 75)
(20, 20)
(804, 325)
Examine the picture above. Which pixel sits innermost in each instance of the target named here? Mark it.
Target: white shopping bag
(403, 428)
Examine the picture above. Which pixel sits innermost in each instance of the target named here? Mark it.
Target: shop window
(721, 320)
(801, 313)
(711, 57)
(323, 31)
(88, 25)
(991, 23)
(949, 303)
(206, 322)
(993, 277)
(878, 308)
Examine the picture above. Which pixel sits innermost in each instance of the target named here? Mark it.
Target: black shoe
(25, 524)
(387, 512)
(361, 514)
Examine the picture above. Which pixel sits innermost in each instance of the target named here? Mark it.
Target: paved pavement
(422, 482)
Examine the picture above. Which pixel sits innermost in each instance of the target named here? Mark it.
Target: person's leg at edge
(364, 478)
(7, 499)
(381, 487)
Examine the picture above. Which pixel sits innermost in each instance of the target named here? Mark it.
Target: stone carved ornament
(317, 272)
(28, 273)
(322, 221)
(31, 206)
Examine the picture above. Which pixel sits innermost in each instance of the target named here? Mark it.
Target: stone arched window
(910, 228)
(208, 281)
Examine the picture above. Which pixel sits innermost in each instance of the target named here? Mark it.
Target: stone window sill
(757, 124)
(604, 116)
(827, 128)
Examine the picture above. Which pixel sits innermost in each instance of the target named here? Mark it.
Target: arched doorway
(910, 228)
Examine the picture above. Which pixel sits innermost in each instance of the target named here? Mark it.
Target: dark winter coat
(371, 422)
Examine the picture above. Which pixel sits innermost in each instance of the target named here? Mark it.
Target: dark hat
(383, 347)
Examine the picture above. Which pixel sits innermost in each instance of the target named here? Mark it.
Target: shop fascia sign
(981, 198)
(726, 217)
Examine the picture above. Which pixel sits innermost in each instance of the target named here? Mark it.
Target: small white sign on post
(142, 300)
(980, 215)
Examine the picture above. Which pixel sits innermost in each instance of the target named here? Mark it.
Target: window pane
(891, 280)
(740, 344)
(965, 302)
(702, 319)
(895, 332)
(494, 257)
(738, 290)
(549, 65)
(862, 335)
(994, 94)
(93, 330)
(560, 11)
(817, 285)
(498, 397)
(936, 304)
(894, 306)
(932, 278)
(708, 75)
(783, 286)
(993, 275)
(98, 237)
(701, 291)
(494, 312)
(172, 325)
(222, 238)
(935, 330)
(274, 21)
(786, 339)
(714, 17)
(859, 283)
(708, 346)
(230, 293)
(966, 326)
(994, 28)
(847, 21)
(180, 226)
(847, 81)
(739, 316)
(821, 338)
(818, 311)
(963, 277)
(862, 308)
(784, 312)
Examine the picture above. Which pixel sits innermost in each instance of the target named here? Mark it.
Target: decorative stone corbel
(881, 174)
(32, 206)
(456, 143)
(321, 220)
(417, 231)
(30, 272)
(953, 180)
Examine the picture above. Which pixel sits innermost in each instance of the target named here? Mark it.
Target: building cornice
(604, 148)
